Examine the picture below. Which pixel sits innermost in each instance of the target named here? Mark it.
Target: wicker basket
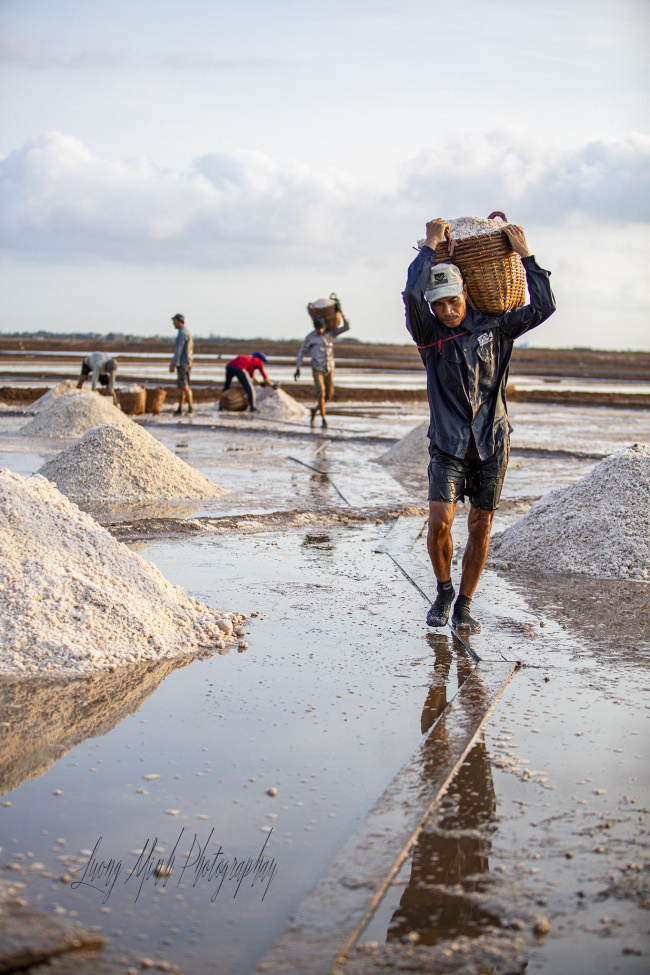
(234, 400)
(155, 399)
(330, 315)
(132, 403)
(493, 273)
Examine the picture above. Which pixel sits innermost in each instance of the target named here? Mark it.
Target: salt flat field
(283, 750)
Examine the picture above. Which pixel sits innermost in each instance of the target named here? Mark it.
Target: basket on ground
(132, 403)
(234, 400)
(328, 309)
(493, 273)
(155, 399)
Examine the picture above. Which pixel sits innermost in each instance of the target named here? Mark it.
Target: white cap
(445, 281)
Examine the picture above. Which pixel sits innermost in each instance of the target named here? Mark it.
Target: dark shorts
(452, 479)
(103, 377)
(182, 376)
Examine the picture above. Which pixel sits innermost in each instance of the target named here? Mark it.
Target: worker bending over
(100, 366)
(243, 368)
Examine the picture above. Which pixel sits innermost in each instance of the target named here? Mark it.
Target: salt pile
(275, 404)
(599, 526)
(322, 303)
(74, 600)
(72, 413)
(123, 462)
(413, 448)
(462, 228)
(45, 401)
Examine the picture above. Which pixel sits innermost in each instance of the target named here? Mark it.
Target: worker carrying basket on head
(326, 315)
(466, 354)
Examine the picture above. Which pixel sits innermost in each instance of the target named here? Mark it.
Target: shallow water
(316, 716)
(340, 681)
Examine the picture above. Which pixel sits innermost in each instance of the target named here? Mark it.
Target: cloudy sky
(235, 161)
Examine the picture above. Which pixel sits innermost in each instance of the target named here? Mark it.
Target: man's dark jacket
(467, 375)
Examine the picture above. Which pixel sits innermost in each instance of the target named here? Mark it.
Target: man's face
(177, 324)
(320, 330)
(451, 311)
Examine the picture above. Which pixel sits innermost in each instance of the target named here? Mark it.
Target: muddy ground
(535, 857)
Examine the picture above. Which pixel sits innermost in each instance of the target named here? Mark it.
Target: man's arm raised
(418, 314)
(435, 232)
(542, 302)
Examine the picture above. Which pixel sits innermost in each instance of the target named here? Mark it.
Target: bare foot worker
(466, 355)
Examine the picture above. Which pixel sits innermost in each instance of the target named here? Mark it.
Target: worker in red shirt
(241, 368)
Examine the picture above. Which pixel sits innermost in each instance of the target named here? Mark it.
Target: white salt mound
(599, 526)
(413, 448)
(323, 303)
(43, 402)
(123, 462)
(275, 404)
(72, 413)
(462, 228)
(73, 600)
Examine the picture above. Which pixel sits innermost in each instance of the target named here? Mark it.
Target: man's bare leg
(439, 543)
(321, 408)
(479, 523)
(441, 548)
(188, 394)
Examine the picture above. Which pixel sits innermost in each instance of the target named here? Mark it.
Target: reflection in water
(436, 700)
(43, 718)
(594, 609)
(450, 861)
(319, 486)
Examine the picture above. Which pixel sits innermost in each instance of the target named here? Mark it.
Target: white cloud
(19, 52)
(607, 180)
(59, 202)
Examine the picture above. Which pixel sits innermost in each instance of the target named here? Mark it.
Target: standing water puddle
(340, 682)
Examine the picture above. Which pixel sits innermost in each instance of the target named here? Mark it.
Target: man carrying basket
(319, 346)
(466, 355)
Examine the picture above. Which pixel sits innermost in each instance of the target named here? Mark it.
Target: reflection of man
(319, 346)
(182, 363)
(466, 355)
(449, 858)
(101, 367)
(453, 846)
